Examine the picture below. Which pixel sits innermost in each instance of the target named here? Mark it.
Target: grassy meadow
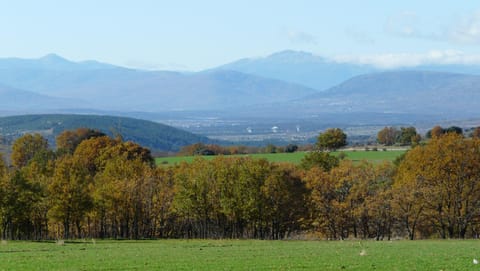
(240, 255)
(296, 157)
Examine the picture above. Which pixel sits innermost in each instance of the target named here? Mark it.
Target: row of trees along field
(99, 187)
(408, 135)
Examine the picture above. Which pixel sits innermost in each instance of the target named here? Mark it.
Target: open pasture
(240, 255)
(296, 157)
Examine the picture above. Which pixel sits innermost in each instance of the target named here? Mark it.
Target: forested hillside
(156, 136)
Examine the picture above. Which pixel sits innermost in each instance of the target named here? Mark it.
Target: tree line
(96, 186)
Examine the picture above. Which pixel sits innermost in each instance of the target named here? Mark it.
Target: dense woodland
(95, 186)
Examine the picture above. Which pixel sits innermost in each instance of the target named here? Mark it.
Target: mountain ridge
(419, 92)
(128, 89)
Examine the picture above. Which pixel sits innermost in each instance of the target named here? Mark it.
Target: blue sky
(194, 35)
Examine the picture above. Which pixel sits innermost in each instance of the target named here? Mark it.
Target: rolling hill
(156, 136)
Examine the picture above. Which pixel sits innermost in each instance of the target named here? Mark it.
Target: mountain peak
(291, 53)
(291, 56)
(53, 58)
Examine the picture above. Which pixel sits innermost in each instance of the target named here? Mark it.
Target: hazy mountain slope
(300, 68)
(414, 92)
(114, 88)
(16, 99)
(153, 135)
(321, 73)
(51, 62)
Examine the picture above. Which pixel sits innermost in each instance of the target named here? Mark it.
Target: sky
(195, 35)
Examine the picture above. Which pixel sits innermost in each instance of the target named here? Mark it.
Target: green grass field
(296, 157)
(241, 255)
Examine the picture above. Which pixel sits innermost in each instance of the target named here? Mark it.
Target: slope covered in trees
(156, 136)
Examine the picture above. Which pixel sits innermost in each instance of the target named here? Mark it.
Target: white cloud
(390, 61)
(301, 37)
(404, 24)
(409, 25)
(359, 36)
(467, 30)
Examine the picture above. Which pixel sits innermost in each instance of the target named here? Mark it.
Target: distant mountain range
(447, 95)
(299, 67)
(102, 86)
(285, 84)
(12, 99)
(157, 137)
(321, 73)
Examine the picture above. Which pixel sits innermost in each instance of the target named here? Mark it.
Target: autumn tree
(160, 198)
(388, 136)
(476, 132)
(121, 195)
(326, 211)
(27, 148)
(90, 153)
(68, 140)
(196, 200)
(332, 139)
(3, 166)
(39, 174)
(70, 195)
(443, 182)
(436, 131)
(284, 192)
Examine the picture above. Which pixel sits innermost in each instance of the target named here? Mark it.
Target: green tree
(408, 136)
(196, 198)
(454, 129)
(291, 148)
(322, 160)
(17, 200)
(332, 139)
